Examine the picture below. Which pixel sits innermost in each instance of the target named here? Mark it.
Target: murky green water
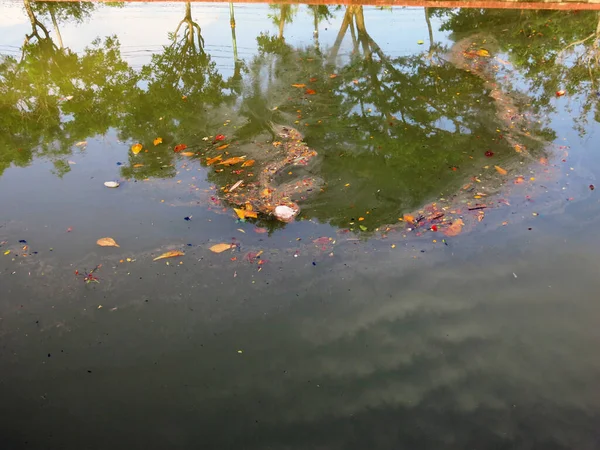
(438, 288)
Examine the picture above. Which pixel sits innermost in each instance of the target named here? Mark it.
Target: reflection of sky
(142, 29)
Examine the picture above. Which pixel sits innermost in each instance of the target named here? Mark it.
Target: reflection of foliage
(182, 91)
(552, 50)
(386, 127)
(49, 85)
(391, 132)
(282, 14)
(62, 12)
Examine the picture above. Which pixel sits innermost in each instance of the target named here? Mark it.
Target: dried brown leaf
(171, 254)
(107, 242)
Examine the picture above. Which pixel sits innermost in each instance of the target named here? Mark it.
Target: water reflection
(393, 132)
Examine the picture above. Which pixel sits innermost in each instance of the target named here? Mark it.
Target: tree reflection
(179, 103)
(392, 132)
(552, 50)
(54, 98)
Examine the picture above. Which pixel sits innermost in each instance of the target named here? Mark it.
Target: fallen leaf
(500, 170)
(455, 228)
(544, 161)
(310, 92)
(260, 230)
(519, 180)
(333, 75)
(420, 42)
(171, 254)
(223, 147)
(220, 248)
(518, 148)
(136, 148)
(111, 184)
(188, 153)
(135, 166)
(235, 186)
(482, 52)
(362, 227)
(81, 144)
(312, 80)
(489, 153)
(220, 137)
(179, 148)
(6, 252)
(560, 93)
(297, 85)
(211, 161)
(248, 163)
(245, 213)
(232, 161)
(408, 218)
(157, 141)
(107, 242)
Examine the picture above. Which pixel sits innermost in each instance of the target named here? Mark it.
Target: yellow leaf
(408, 218)
(455, 228)
(135, 166)
(211, 161)
(223, 147)
(171, 254)
(136, 148)
(234, 160)
(245, 213)
(188, 153)
(482, 52)
(7, 252)
(298, 85)
(220, 248)
(265, 193)
(500, 170)
(107, 242)
(248, 163)
(518, 148)
(157, 141)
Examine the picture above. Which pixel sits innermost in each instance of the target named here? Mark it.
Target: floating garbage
(285, 213)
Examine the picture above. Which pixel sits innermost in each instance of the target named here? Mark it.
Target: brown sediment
(265, 195)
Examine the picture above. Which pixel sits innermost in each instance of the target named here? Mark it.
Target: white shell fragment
(111, 184)
(285, 213)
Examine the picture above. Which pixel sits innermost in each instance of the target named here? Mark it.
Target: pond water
(437, 288)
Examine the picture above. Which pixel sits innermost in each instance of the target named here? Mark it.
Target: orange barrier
(508, 4)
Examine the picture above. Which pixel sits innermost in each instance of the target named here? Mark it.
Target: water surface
(437, 290)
